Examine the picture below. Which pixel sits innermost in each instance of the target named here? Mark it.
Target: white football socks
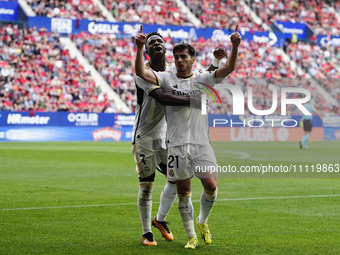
(208, 200)
(168, 197)
(145, 205)
(186, 210)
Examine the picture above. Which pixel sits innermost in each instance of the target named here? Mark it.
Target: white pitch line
(243, 154)
(122, 204)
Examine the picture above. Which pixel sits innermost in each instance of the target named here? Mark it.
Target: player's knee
(183, 189)
(210, 184)
(145, 193)
(212, 188)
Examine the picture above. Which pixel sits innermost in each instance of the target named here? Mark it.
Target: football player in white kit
(149, 132)
(187, 131)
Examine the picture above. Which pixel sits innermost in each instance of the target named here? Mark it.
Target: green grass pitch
(80, 198)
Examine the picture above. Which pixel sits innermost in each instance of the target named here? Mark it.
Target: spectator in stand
(319, 61)
(36, 72)
(112, 57)
(315, 13)
(161, 12)
(222, 14)
(71, 9)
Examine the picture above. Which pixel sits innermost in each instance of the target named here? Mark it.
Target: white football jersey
(150, 123)
(185, 124)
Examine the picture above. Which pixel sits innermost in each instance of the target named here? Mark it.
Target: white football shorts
(148, 155)
(185, 161)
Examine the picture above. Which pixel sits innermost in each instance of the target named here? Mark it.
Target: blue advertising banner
(224, 120)
(68, 26)
(324, 40)
(63, 126)
(331, 121)
(332, 133)
(9, 10)
(65, 119)
(290, 28)
(69, 119)
(45, 134)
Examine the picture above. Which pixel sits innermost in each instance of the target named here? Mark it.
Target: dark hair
(154, 33)
(182, 46)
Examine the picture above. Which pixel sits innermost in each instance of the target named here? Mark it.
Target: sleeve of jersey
(147, 87)
(161, 77)
(209, 78)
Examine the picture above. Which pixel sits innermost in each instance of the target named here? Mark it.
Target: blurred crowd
(315, 13)
(222, 14)
(257, 60)
(38, 74)
(161, 12)
(71, 9)
(113, 58)
(319, 62)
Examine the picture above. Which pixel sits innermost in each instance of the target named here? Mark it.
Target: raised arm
(230, 65)
(146, 75)
(219, 53)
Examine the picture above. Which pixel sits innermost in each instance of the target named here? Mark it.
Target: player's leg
(305, 138)
(307, 126)
(208, 198)
(206, 158)
(186, 211)
(166, 202)
(179, 170)
(145, 166)
(168, 196)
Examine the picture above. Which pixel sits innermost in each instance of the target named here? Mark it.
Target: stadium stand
(72, 9)
(113, 58)
(315, 13)
(161, 12)
(37, 73)
(112, 55)
(256, 60)
(222, 14)
(320, 62)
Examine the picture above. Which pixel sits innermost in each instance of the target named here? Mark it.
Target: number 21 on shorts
(173, 161)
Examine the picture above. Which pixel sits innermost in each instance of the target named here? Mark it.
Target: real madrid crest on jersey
(171, 173)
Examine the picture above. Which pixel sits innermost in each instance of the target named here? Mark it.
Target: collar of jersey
(190, 76)
(154, 68)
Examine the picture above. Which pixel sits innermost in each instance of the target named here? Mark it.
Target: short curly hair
(151, 34)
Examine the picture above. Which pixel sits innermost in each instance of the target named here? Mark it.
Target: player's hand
(236, 38)
(140, 38)
(220, 53)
